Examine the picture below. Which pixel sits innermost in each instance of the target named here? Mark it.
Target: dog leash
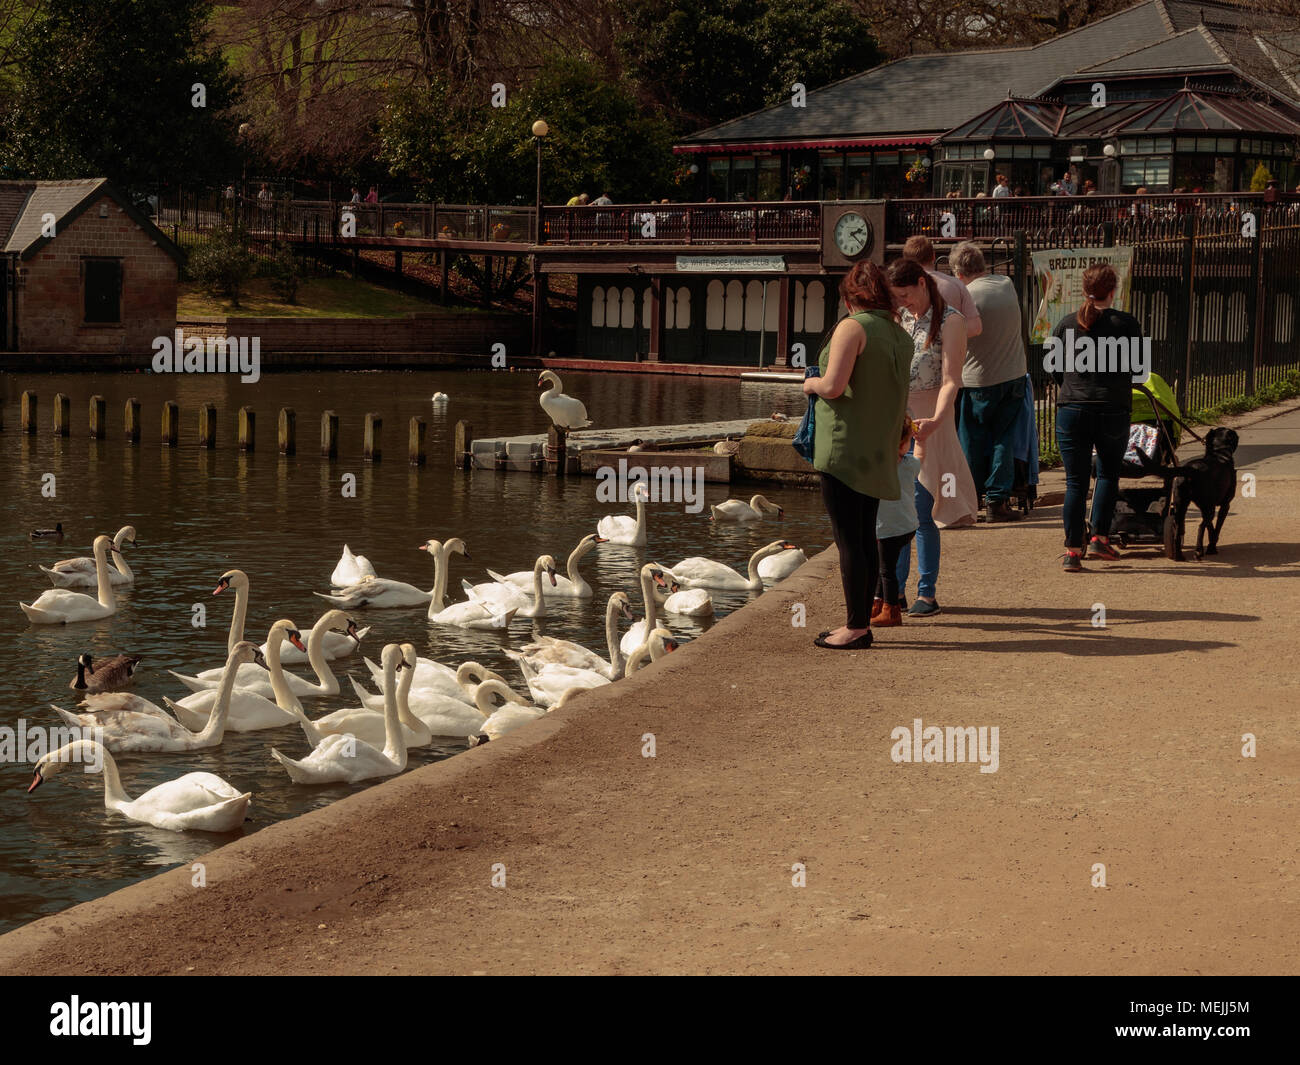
(1157, 407)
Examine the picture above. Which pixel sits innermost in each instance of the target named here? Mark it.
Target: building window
(1152, 174)
(859, 177)
(719, 168)
(598, 307)
(713, 305)
(832, 177)
(769, 178)
(628, 318)
(734, 317)
(814, 320)
(645, 307)
(743, 180)
(683, 308)
(103, 290)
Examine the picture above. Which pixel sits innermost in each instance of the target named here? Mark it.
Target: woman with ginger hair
(861, 395)
(945, 489)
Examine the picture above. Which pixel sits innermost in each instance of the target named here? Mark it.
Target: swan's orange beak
(295, 638)
(37, 781)
(551, 573)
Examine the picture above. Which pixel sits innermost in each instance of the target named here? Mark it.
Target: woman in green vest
(861, 400)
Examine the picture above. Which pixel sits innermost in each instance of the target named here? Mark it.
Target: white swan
(548, 684)
(779, 566)
(59, 606)
(636, 636)
(550, 650)
(334, 645)
(499, 597)
(497, 721)
(440, 397)
(574, 586)
(196, 802)
(432, 682)
(350, 569)
(705, 573)
(739, 510)
(81, 573)
(659, 643)
(565, 411)
(346, 759)
(258, 680)
(132, 725)
(367, 725)
(444, 715)
(623, 530)
(688, 602)
(249, 710)
(383, 593)
(470, 614)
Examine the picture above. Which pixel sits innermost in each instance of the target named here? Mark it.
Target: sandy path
(1119, 746)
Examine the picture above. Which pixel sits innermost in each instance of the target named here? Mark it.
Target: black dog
(1210, 482)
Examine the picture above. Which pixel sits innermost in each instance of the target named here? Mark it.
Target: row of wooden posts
(246, 425)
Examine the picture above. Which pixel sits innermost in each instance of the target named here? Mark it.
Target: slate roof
(930, 94)
(23, 205)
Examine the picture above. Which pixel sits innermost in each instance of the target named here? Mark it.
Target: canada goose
(104, 674)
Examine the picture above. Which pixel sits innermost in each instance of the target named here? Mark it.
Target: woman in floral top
(945, 490)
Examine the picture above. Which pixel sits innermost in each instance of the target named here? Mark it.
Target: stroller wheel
(1173, 538)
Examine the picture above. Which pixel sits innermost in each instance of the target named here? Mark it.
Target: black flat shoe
(823, 635)
(860, 644)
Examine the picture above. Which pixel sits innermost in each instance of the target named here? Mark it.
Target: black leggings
(853, 523)
(891, 550)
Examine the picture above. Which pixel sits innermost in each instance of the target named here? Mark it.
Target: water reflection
(284, 520)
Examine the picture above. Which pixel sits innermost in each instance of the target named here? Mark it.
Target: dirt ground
(1118, 746)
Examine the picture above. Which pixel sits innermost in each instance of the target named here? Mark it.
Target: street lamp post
(540, 130)
(244, 130)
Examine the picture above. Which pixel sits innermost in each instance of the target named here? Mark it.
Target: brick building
(84, 271)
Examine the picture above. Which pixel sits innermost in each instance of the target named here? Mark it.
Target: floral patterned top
(927, 363)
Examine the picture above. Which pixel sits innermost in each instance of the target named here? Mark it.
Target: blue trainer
(922, 609)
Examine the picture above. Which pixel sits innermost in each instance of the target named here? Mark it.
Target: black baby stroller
(1154, 432)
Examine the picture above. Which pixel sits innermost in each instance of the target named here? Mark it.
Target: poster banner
(1060, 275)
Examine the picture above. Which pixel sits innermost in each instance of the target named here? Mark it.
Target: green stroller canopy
(1141, 411)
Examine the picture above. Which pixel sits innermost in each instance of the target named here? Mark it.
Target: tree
(109, 87)
(707, 61)
(1260, 178)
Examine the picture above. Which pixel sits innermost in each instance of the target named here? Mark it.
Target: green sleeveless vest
(858, 433)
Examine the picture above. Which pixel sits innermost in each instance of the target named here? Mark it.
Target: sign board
(733, 264)
(1060, 277)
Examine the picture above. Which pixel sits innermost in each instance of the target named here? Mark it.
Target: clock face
(852, 234)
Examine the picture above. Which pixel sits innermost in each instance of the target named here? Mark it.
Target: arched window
(814, 317)
(611, 308)
(628, 319)
(773, 320)
(670, 308)
(734, 318)
(754, 307)
(798, 307)
(598, 307)
(645, 308)
(714, 305)
(683, 308)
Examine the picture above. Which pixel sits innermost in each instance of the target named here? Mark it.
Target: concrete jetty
(526, 452)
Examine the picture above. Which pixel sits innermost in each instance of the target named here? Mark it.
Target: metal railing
(691, 223)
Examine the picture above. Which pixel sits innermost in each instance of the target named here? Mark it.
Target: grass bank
(323, 297)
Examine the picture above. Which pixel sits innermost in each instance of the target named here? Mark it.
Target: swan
(350, 569)
(470, 614)
(250, 711)
(345, 759)
(334, 645)
(444, 714)
(779, 566)
(196, 802)
(80, 572)
(134, 725)
(59, 606)
(565, 411)
(440, 397)
(496, 722)
(499, 597)
(739, 510)
(383, 593)
(432, 681)
(635, 637)
(706, 573)
(574, 586)
(548, 649)
(104, 674)
(258, 680)
(548, 684)
(367, 725)
(625, 531)
(688, 602)
(659, 643)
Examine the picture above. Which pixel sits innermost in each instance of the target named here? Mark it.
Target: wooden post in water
(62, 411)
(247, 428)
(329, 435)
(131, 420)
(288, 431)
(98, 417)
(27, 419)
(370, 448)
(556, 438)
(460, 446)
(415, 442)
(171, 423)
(208, 426)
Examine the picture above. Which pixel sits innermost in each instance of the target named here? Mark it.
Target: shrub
(222, 263)
(285, 273)
(1260, 179)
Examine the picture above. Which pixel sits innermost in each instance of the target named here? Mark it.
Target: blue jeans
(1080, 428)
(927, 548)
(986, 427)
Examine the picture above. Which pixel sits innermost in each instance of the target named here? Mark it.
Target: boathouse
(84, 270)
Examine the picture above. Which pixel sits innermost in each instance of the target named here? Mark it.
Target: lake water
(284, 521)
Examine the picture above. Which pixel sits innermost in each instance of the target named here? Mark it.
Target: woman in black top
(1093, 410)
